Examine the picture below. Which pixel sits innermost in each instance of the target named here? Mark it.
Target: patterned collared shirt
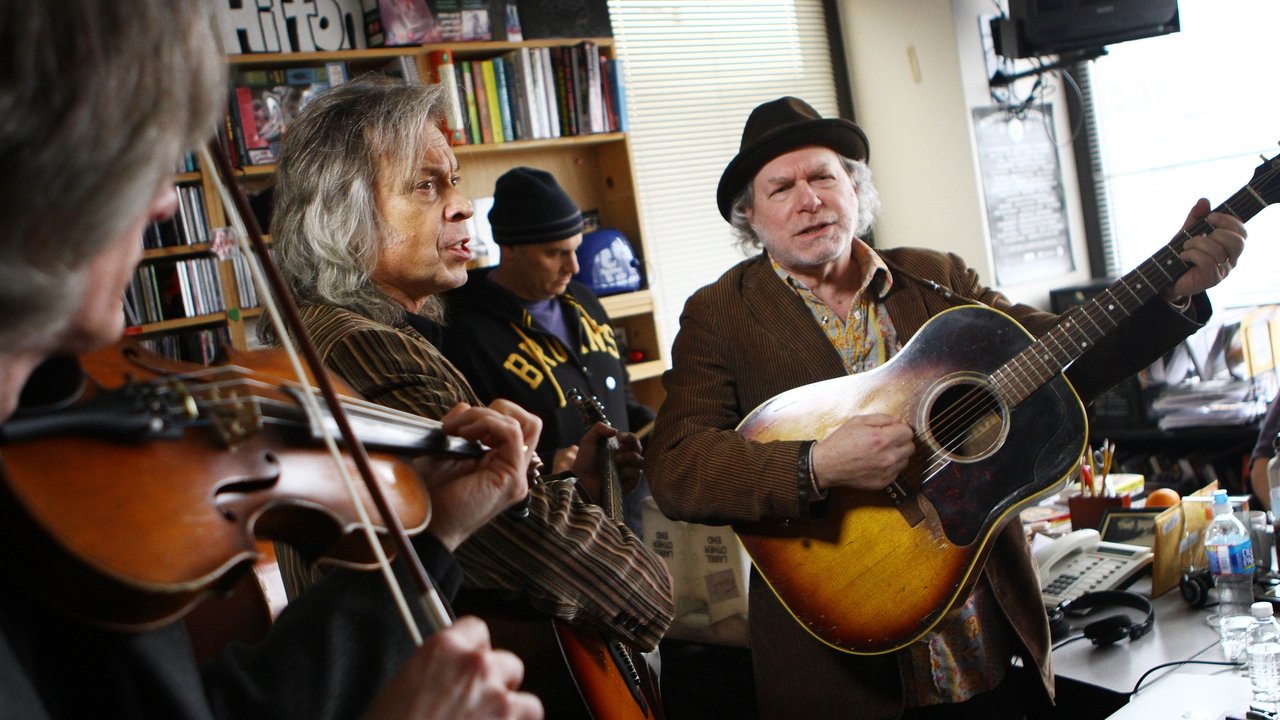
(865, 337)
(968, 652)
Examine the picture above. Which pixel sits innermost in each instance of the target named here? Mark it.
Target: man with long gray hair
(369, 226)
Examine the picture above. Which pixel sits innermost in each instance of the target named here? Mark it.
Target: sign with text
(1022, 182)
(258, 26)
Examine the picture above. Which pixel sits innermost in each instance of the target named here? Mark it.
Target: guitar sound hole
(966, 421)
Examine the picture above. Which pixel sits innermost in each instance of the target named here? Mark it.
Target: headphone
(1195, 585)
(1110, 629)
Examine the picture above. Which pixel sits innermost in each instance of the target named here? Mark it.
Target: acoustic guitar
(997, 428)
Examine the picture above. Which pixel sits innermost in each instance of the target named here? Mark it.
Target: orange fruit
(1163, 497)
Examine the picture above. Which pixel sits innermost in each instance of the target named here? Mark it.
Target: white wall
(916, 69)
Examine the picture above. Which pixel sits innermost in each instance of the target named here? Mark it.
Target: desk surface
(1179, 633)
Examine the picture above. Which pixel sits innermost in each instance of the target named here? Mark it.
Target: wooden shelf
(628, 304)
(517, 146)
(649, 369)
(175, 251)
(217, 318)
(525, 145)
(462, 50)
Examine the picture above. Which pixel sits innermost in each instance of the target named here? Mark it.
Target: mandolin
(612, 678)
(997, 428)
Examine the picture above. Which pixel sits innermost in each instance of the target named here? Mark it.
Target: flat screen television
(1053, 27)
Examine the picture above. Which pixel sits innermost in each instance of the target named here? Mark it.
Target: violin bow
(275, 296)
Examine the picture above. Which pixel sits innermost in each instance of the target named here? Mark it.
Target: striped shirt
(566, 558)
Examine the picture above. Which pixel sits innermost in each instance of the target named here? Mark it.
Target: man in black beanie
(526, 331)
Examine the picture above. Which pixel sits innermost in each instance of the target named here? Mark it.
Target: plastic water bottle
(1230, 556)
(1264, 659)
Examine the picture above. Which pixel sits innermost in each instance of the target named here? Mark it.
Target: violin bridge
(234, 417)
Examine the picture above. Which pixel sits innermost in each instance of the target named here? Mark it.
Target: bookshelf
(594, 168)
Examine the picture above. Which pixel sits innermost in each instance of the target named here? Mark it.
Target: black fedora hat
(780, 126)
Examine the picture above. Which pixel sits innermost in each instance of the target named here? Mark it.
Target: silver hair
(325, 226)
(98, 100)
(868, 206)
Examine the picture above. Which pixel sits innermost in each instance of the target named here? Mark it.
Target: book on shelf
(495, 105)
(551, 109)
(266, 102)
(588, 54)
(469, 96)
(503, 98)
(175, 289)
(566, 94)
(606, 94)
(403, 67)
(402, 22)
(504, 20)
(481, 95)
(188, 226)
(203, 346)
(475, 21)
(616, 79)
(564, 19)
(444, 73)
(528, 76)
(520, 87)
(449, 18)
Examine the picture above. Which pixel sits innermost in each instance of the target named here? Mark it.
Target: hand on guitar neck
(602, 451)
(1213, 250)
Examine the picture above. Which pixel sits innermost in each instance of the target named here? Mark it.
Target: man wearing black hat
(818, 304)
(527, 332)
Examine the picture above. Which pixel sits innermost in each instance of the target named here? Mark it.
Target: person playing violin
(100, 101)
(369, 227)
(819, 303)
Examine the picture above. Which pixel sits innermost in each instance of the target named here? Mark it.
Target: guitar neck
(610, 499)
(610, 483)
(1084, 326)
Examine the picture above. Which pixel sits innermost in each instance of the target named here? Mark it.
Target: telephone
(1082, 562)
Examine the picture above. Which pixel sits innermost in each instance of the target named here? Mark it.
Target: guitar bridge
(907, 503)
(896, 492)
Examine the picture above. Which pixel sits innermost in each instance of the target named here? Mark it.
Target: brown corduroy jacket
(748, 337)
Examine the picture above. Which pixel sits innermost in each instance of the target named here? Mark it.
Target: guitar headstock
(589, 408)
(1266, 180)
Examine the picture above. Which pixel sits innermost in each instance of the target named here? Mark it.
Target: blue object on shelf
(607, 263)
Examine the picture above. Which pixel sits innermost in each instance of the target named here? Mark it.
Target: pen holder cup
(1087, 511)
(1261, 537)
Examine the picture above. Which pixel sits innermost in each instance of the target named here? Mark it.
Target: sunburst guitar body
(872, 575)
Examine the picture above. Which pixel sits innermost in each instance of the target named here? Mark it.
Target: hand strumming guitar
(867, 452)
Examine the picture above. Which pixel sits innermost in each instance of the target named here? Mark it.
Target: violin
(150, 490)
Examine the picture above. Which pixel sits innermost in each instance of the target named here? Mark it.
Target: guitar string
(958, 418)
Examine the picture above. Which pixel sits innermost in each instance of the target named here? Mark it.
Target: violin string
(269, 305)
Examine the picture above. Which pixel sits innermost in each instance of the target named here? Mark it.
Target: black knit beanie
(530, 207)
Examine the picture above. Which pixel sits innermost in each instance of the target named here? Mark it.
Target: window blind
(694, 71)
(1187, 115)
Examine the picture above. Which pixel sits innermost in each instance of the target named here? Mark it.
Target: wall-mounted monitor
(1053, 27)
